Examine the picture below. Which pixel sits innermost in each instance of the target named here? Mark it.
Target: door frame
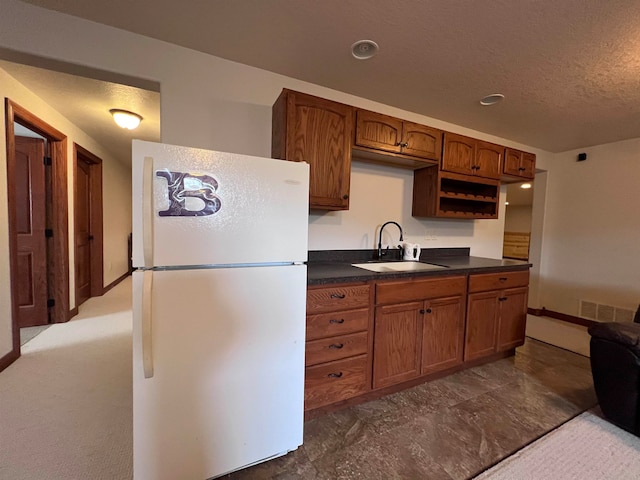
(95, 208)
(58, 245)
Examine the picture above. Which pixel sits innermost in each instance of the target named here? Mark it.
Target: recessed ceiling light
(492, 99)
(525, 185)
(125, 118)
(364, 49)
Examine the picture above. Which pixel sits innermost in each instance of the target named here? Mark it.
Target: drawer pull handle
(503, 279)
(502, 299)
(335, 375)
(338, 295)
(336, 320)
(336, 345)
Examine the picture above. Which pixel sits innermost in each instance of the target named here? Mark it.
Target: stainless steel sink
(389, 267)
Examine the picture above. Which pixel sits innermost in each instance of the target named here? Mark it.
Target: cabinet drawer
(497, 281)
(335, 381)
(337, 298)
(420, 289)
(335, 348)
(338, 323)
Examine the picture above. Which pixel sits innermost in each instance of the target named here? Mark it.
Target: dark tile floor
(451, 428)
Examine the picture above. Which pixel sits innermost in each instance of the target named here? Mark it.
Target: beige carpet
(65, 405)
(585, 448)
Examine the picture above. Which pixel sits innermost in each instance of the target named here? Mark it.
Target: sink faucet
(380, 254)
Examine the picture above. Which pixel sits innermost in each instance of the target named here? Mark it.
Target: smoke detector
(364, 49)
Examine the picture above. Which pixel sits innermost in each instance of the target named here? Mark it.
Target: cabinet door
(442, 334)
(319, 133)
(396, 343)
(378, 131)
(488, 160)
(482, 317)
(512, 160)
(512, 318)
(528, 167)
(421, 141)
(458, 154)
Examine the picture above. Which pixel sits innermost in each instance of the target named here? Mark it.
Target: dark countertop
(334, 266)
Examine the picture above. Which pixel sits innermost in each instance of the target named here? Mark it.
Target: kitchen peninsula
(370, 333)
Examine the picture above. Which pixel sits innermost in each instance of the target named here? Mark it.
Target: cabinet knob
(502, 299)
(421, 312)
(404, 145)
(338, 295)
(345, 197)
(335, 375)
(336, 320)
(429, 310)
(336, 346)
(503, 279)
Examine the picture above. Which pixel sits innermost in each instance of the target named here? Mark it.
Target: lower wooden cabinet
(337, 351)
(335, 381)
(371, 336)
(496, 318)
(396, 343)
(442, 334)
(420, 337)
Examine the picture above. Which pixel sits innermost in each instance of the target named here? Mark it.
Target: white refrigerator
(219, 296)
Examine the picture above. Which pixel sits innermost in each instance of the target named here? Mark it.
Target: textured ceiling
(86, 103)
(569, 69)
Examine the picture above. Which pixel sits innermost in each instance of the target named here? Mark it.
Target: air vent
(588, 309)
(604, 313)
(624, 315)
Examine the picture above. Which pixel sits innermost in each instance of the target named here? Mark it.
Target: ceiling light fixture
(525, 185)
(364, 49)
(125, 118)
(506, 203)
(492, 99)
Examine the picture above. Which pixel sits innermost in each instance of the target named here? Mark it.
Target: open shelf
(444, 194)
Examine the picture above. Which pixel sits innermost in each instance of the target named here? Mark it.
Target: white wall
(591, 239)
(116, 199)
(518, 218)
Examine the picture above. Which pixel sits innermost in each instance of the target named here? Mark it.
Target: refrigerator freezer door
(199, 207)
(227, 389)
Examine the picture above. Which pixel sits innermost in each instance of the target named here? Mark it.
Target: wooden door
(512, 161)
(442, 334)
(382, 132)
(83, 235)
(512, 318)
(528, 166)
(488, 159)
(30, 208)
(421, 141)
(482, 317)
(396, 343)
(458, 154)
(319, 132)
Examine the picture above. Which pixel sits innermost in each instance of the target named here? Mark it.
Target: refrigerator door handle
(147, 351)
(147, 211)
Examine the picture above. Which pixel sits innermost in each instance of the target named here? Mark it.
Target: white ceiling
(86, 103)
(570, 69)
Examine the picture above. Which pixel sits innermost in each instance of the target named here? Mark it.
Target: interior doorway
(88, 225)
(518, 218)
(38, 223)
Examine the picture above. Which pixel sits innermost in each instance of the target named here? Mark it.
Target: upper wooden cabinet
(317, 131)
(519, 164)
(469, 156)
(388, 134)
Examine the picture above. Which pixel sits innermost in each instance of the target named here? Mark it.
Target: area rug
(585, 448)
